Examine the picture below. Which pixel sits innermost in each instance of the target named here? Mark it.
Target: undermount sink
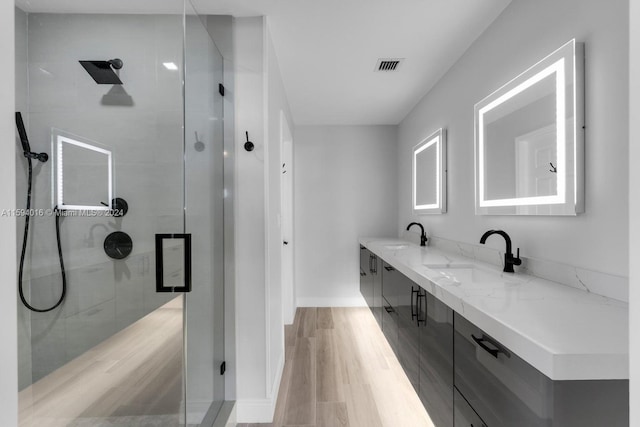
(472, 274)
(396, 247)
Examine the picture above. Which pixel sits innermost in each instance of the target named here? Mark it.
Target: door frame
(287, 251)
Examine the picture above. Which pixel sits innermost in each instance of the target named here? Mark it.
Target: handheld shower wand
(41, 157)
(26, 148)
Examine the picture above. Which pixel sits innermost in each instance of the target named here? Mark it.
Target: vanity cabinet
(371, 282)
(506, 391)
(466, 378)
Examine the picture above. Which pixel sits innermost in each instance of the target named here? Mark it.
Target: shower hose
(24, 250)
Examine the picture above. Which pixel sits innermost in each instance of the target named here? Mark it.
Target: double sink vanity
(486, 346)
(483, 347)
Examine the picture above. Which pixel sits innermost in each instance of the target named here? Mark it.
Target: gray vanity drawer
(390, 324)
(501, 387)
(505, 391)
(463, 414)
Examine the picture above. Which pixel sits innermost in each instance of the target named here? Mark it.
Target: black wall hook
(248, 145)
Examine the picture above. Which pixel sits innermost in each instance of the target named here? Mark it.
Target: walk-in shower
(122, 242)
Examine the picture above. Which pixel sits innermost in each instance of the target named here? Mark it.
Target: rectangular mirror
(529, 140)
(429, 174)
(83, 174)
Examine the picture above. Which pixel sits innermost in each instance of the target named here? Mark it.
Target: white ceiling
(327, 49)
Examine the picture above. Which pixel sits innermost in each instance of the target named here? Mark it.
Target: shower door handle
(185, 286)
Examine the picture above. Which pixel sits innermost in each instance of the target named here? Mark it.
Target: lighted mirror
(83, 174)
(529, 140)
(429, 174)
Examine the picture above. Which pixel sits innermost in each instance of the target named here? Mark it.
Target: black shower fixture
(26, 148)
(42, 157)
(248, 145)
(103, 71)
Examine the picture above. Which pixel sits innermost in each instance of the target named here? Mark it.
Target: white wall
(249, 214)
(523, 34)
(634, 201)
(8, 304)
(345, 188)
(259, 96)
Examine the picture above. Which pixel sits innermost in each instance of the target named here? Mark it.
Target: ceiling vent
(388, 64)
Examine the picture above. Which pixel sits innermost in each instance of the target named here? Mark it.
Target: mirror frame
(567, 63)
(58, 139)
(439, 139)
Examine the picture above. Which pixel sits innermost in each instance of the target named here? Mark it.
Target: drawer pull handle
(414, 307)
(388, 268)
(492, 351)
(389, 309)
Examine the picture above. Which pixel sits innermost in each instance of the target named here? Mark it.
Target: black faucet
(509, 259)
(423, 236)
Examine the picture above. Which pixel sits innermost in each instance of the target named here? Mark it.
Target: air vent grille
(388, 64)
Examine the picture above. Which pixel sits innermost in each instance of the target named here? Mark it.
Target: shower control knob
(119, 206)
(118, 245)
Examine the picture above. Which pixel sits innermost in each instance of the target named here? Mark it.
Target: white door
(286, 209)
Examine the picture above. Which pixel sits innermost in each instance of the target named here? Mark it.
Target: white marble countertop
(564, 332)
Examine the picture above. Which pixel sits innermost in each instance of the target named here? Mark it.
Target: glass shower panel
(204, 179)
(112, 353)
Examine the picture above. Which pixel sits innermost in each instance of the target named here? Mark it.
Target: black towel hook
(248, 145)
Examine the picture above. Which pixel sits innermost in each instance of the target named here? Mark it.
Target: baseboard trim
(255, 410)
(275, 387)
(356, 301)
(261, 410)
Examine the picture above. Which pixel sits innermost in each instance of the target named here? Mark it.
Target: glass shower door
(204, 207)
(112, 353)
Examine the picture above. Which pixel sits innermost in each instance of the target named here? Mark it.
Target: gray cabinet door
(376, 308)
(389, 284)
(366, 277)
(436, 359)
(390, 324)
(408, 331)
(389, 305)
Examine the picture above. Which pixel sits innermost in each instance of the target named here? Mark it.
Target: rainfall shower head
(102, 71)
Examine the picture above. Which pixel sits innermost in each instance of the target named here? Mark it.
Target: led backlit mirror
(529, 140)
(429, 174)
(83, 174)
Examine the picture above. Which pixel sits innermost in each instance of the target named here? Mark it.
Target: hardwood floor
(339, 372)
(132, 378)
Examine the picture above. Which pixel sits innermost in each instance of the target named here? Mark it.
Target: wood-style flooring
(339, 372)
(132, 378)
